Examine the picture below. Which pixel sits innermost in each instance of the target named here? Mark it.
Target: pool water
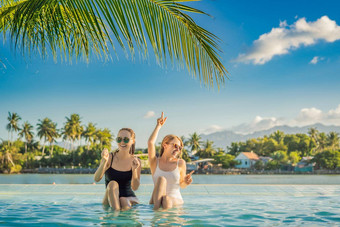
(205, 205)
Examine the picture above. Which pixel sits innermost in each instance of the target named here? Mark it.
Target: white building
(246, 159)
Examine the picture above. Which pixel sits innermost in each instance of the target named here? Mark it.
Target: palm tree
(79, 28)
(89, 134)
(44, 128)
(195, 143)
(13, 124)
(208, 151)
(322, 138)
(26, 132)
(313, 134)
(333, 140)
(278, 136)
(73, 129)
(52, 136)
(105, 137)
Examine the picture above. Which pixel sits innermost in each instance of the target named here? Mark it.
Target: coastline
(200, 171)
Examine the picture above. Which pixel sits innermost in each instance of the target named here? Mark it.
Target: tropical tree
(79, 28)
(278, 136)
(26, 132)
(194, 142)
(89, 134)
(13, 124)
(105, 138)
(45, 131)
(73, 129)
(322, 138)
(333, 140)
(53, 134)
(208, 150)
(313, 134)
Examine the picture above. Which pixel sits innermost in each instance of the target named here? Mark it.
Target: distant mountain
(225, 138)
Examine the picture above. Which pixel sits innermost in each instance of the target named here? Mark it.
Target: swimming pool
(205, 205)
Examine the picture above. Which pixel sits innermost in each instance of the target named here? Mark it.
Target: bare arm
(98, 175)
(185, 179)
(136, 169)
(151, 143)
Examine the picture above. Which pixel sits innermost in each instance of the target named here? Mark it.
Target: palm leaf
(82, 27)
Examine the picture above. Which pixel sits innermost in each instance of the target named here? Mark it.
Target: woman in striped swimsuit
(168, 170)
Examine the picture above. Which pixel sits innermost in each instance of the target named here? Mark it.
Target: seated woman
(122, 172)
(168, 170)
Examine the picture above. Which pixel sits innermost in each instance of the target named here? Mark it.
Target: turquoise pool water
(205, 205)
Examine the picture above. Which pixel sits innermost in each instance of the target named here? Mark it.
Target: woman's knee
(161, 180)
(112, 185)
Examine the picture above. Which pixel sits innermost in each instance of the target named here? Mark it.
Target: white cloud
(149, 114)
(306, 116)
(282, 40)
(315, 60)
(334, 114)
(259, 123)
(212, 129)
(309, 116)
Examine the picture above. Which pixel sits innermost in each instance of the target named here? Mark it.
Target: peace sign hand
(161, 121)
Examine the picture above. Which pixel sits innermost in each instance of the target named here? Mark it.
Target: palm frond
(81, 27)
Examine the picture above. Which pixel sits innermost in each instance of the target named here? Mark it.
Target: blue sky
(268, 48)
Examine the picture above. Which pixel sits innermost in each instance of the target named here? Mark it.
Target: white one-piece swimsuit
(172, 178)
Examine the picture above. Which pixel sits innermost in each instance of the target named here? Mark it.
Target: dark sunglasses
(120, 139)
(177, 146)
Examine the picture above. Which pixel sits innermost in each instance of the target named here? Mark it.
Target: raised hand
(188, 178)
(105, 154)
(135, 164)
(161, 121)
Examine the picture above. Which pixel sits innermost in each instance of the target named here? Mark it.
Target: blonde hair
(133, 136)
(166, 140)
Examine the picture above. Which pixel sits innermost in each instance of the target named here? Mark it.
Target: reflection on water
(206, 205)
(143, 215)
(198, 179)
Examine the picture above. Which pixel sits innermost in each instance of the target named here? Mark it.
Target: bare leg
(125, 203)
(113, 195)
(159, 192)
(151, 199)
(105, 199)
(167, 202)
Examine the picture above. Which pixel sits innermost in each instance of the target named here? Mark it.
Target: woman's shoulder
(181, 162)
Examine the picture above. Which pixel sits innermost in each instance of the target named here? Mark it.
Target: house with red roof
(246, 159)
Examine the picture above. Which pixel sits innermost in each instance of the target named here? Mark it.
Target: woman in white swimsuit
(168, 170)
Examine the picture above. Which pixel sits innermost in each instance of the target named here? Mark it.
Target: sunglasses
(176, 146)
(120, 139)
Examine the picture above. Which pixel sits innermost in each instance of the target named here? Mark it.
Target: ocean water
(205, 205)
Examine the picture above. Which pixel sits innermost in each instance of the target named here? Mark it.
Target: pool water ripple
(205, 205)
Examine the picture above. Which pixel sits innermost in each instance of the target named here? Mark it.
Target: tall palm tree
(208, 150)
(278, 136)
(333, 140)
(13, 125)
(44, 128)
(53, 134)
(194, 142)
(105, 137)
(89, 133)
(73, 129)
(313, 134)
(27, 133)
(81, 27)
